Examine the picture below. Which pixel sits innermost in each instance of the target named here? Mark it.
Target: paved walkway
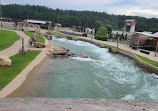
(76, 104)
(126, 47)
(14, 49)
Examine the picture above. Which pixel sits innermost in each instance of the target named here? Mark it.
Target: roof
(155, 34)
(37, 21)
(120, 32)
(145, 33)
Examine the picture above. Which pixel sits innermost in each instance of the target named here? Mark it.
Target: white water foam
(131, 97)
(82, 59)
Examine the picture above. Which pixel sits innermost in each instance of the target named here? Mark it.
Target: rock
(39, 45)
(78, 55)
(5, 61)
(49, 37)
(58, 50)
(113, 50)
(34, 37)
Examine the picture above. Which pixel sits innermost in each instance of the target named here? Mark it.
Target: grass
(154, 63)
(41, 39)
(7, 74)
(111, 46)
(7, 38)
(8, 28)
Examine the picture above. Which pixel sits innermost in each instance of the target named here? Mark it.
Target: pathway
(14, 49)
(76, 104)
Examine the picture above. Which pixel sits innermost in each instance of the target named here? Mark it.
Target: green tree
(98, 24)
(110, 36)
(109, 28)
(117, 35)
(103, 31)
(126, 37)
(122, 37)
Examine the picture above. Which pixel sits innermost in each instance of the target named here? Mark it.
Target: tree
(71, 17)
(98, 24)
(122, 37)
(110, 36)
(103, 31)
(109, 28)
(102, 34)
(117, 35)
(126, 37)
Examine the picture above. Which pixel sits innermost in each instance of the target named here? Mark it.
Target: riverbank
(20, 78)
(144, 64)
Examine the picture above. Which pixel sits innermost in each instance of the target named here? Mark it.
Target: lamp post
(1, 13)
(117, 42)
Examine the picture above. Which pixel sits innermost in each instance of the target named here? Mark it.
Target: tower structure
(130, 26)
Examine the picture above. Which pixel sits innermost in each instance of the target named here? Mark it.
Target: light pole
(1, 13)
(118, 42)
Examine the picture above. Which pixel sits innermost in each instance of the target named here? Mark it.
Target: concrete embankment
(139, 62)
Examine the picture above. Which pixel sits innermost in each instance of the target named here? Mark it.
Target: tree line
(78, 18)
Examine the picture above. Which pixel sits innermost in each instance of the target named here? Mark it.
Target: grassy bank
(154, 63)
(41, 39)
(7, 74)
(7, 38)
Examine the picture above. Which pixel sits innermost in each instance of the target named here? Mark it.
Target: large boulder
(39, 45)
(58, 50)
(5, 61)
(113, 50)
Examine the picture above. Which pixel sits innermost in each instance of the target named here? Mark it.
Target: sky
(144, 8)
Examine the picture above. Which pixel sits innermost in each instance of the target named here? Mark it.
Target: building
(155, 35)
(31, 22)
(88, 31)
(5, 19)
(130, 26)
(144, 40)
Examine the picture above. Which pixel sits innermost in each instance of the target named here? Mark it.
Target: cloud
(146, 8)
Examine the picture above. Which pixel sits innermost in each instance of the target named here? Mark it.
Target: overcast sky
(145, 8)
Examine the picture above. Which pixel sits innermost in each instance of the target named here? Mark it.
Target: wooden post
(22, 47)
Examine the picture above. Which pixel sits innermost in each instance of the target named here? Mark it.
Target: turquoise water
(104, 75)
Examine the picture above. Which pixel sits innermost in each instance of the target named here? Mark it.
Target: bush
(44, 27)
(101, 38)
